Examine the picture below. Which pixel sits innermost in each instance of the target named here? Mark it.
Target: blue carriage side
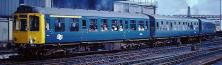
(75, 25)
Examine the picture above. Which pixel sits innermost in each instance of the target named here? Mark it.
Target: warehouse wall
(5, 30)
(125, 6)
(39, 3)
(7, 7)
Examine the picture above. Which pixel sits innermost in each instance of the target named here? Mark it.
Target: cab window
(15, 23)
(23, 25)
(59, 25)
(74, 25)
(34, 23)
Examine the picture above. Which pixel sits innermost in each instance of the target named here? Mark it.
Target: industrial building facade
(8, 7)
(135, 7)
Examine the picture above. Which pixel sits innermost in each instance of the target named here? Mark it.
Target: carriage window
(47, 26)
(133, 25)
(171, 25)
(195, 23)
(141, 26)
(191, 26)
(83, 24)
(157, 25)
(15, 23)
(34, 23)
(104, 25)
(147, 25)
(59, 25)
(120, 26)
(114, 25)
(161, 22)
(74, 24)
(93, 25)
(23, 25)
(126, 25)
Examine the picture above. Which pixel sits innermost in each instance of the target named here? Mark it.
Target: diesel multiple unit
(79, 30)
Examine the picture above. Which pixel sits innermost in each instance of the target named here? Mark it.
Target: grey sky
(203, 7)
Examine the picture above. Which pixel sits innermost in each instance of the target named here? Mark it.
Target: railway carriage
(35, 26)
(39, 29)
(207, 27)
(167, 27)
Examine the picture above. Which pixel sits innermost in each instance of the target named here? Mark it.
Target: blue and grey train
(90, 30)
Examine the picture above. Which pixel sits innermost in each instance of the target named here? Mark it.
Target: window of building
(93, 25)
(59, 25)
(34, 23)
(141, 26)
(83, 24)
(114, 25)
(74, 25)
(104, 25)
(23, 25)
(133, 25)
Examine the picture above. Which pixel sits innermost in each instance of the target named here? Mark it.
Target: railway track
(163, 55)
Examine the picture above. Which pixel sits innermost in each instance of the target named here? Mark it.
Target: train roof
(80, 12)
(174, 18)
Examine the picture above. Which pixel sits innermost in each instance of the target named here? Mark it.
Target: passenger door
(84, 30)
